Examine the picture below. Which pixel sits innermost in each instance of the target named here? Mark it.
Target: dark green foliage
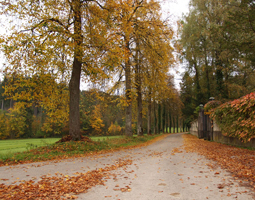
(217, 48)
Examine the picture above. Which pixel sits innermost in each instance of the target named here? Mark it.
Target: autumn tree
(65, 37)
(148, 30)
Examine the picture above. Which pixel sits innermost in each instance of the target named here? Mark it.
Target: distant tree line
(101, 113)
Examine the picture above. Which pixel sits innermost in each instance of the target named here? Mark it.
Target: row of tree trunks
(163, 120)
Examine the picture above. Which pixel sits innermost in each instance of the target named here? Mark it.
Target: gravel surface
(162, 170)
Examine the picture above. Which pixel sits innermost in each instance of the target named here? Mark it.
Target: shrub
(3, 125)
(17, 125)
(211, 105)
(114, 129)
(237, 118)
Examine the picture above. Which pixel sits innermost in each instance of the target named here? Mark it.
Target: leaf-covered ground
(64, 187)
(240, 162)
(160, 171)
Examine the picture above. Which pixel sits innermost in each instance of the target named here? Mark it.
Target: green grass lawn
(20, 145)
(101, 138)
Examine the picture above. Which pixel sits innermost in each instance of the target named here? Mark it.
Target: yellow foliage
(114, 129)
(3, 126)
(16, 124)
(96, 121)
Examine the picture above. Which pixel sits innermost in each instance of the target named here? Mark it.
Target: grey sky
(176, 8)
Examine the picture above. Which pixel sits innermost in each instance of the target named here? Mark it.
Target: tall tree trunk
(35, 110)
(219, 76)
(159, 118)
(173, 125)
(177, 123)
(170, 122)
(128, 128)
(155, 117)
(74, 84)
(207, 77)
(149, 113)
(11, 103)
(139, 93)
(183, 126)
(163, 117)
(198, 87)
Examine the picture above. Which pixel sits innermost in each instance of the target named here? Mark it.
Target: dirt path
(162, 170)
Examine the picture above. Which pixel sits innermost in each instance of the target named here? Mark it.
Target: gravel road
(162, 170)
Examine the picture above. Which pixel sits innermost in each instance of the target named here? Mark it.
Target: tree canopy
(53, 44)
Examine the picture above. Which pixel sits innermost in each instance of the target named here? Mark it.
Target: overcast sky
(176, 8)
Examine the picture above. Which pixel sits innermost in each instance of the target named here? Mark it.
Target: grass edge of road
(59, 151)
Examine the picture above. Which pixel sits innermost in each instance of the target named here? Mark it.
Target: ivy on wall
(237, 118)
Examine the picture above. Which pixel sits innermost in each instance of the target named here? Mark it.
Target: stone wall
(194, 128)
(218, 137)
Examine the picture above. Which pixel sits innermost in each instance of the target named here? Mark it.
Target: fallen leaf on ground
(54, 187)
(238, 161)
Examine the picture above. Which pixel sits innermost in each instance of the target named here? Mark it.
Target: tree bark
(128, 128)
(219, 75)
(159, 118)
(155, 117)
(177, 123)
(173, 125)
(149, 113)
(139, 93)
(74, 84)
(167, 120)
(163, 116)
(170, 122)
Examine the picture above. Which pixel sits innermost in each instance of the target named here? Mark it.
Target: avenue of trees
(53, 45)
(217, 42)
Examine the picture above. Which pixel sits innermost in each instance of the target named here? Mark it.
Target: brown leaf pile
(68, 138)
(64, 187)
(240, 162)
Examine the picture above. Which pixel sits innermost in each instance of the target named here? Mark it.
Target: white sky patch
(175, 9)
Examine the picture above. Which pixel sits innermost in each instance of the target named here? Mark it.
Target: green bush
(211, 105)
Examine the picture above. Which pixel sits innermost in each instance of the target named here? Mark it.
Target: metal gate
(205, 128)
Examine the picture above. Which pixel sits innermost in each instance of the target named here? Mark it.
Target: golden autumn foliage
(63, 41)
(43, 92)
(114, 129)
(13, 123)
(96, 121)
